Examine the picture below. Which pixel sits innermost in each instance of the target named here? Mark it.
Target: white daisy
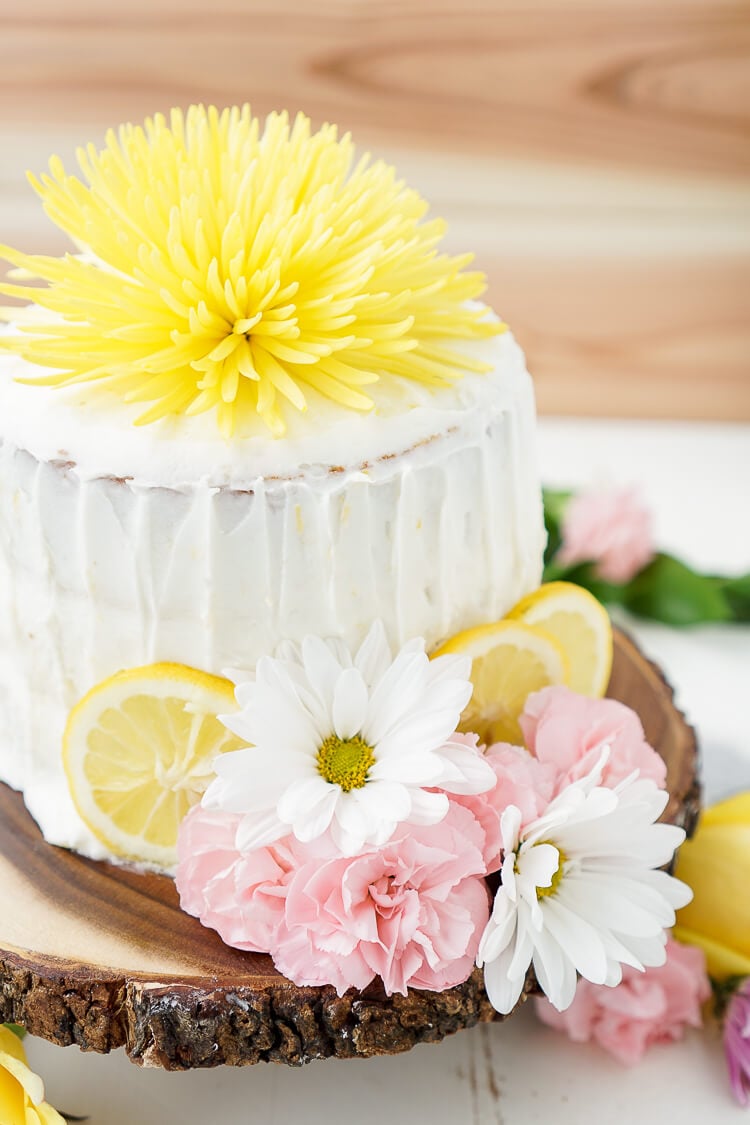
(579, 892)
(350, 743)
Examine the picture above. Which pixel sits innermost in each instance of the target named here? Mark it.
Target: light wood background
(594, 153)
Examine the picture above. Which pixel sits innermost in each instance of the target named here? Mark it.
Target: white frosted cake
(126, 545)
(271, 622)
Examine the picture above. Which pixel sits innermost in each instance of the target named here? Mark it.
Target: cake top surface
(72, 424)
(242, 271)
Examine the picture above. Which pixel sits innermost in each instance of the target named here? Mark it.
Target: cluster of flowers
(353, 837)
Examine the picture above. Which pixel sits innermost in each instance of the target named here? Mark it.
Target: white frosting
(88, 425)
(209, 553)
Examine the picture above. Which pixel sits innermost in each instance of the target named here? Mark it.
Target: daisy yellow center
(345, 761)
(542, 892)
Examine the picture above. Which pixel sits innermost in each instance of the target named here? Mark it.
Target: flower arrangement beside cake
(271, 544)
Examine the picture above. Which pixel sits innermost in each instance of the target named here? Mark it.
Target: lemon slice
(582, 627)
(137, 753)
(509, 660)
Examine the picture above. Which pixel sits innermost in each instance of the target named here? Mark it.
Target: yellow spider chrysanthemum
(228, 269)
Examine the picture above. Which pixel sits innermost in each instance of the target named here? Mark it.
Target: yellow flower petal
(735, 810)
(10, 1044)
(12, 1110)
(721, 961)
(47, 1115)
(716, 864)
(29, 1082)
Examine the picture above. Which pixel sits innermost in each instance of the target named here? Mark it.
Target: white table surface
(697, 479)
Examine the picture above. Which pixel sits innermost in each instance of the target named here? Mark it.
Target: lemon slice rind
(138, 748)
(581, 626)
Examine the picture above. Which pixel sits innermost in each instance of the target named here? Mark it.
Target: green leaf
(669, 591)
(555, 503)
(737, 593)
(16, 1029)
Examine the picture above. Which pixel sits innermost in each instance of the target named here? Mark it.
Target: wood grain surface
(102, 956)
(595, 155)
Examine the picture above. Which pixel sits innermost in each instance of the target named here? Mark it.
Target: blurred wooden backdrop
(594, 153)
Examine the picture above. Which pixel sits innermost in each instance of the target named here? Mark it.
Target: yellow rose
(716, 864)
(21, 1091)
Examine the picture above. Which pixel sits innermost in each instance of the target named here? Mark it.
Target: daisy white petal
(510, 825)
(307, 804)
(465, 770)
(554, 972)
(420, 733)
(256, 831)
(243, 689)
(523, 950)
(503, 991)
(426, 808)
(677, 893)
(322, 669)
(249, 780)
(350, 700)
(599, 898)
(578, 940)
(316, 819)
(374, 655)
(540, 864)
(348, 843)
(650, 952)
(497, 938)
(359, 821)
(614, 974)
(398, 693)
(452, 666)
(380, 797)
(409, 769)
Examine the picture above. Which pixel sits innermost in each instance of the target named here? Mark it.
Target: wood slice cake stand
(103, 957)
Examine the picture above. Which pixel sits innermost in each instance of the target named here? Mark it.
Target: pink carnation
(521, 780)
(611, 528)
(411, 911)
(566, 730)
(241, 896)
(646, 1008)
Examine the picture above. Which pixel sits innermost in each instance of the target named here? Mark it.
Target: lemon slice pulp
(509, 661)
(137, 753)
(581, 626)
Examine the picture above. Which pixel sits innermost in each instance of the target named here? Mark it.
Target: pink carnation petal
(411, 911)
(611, 528)
(566, 731)
(241, 895)
(646, 1008)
